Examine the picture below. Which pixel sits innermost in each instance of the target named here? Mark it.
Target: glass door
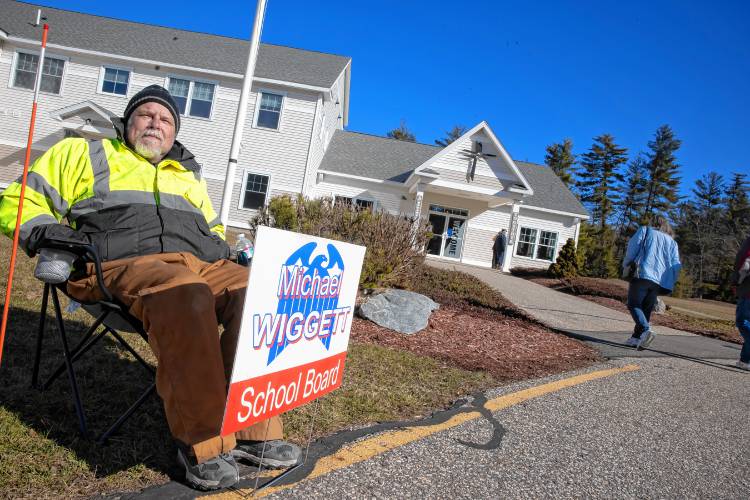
(454, 237)
(448, 227)
(438, 227)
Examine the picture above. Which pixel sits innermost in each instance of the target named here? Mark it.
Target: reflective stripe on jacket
(124, 204)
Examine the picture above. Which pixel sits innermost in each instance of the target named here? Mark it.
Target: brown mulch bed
(476, 338)
(580, 286)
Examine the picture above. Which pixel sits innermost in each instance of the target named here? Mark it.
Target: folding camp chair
(111, 316)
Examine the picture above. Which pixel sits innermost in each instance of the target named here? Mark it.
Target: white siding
(387, 198)
(327, 123)
(281, 154)
(563, 225)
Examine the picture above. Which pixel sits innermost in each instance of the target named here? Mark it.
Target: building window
(343, 201)
(365, 204)
(547, 244)
(255, 191)
(533, 248)
(115, 81)
(193, 98)
(25, 74)
(269, 112)
(526, 242)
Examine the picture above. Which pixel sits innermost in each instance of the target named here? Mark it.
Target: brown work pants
(181, 300)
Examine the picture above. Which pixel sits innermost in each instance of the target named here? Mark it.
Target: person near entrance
(652, 263)
(741, 278)
(141, 202)
(498, 249)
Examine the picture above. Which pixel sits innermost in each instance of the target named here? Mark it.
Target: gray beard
(147, 152)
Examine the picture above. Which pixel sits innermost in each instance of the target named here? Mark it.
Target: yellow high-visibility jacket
(124, 205)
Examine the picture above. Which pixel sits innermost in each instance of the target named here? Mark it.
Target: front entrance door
(448, 226)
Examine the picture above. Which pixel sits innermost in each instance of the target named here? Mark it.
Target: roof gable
(171, 46)
(497, 171)
(382, 158)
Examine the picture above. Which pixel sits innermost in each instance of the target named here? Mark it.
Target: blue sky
(536, 71)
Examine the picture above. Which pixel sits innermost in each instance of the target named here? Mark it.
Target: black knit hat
(154, 93)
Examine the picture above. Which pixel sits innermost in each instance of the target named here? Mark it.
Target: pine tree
(633, 200)
(600, 177)
(663, 179)
(402, 133)
(566, 265)
(631, 205)
(737, 218)
(706, 218)
(450, 136)
(597, 252)
(560, 159)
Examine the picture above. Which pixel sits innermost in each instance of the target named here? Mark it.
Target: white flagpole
(239, 125)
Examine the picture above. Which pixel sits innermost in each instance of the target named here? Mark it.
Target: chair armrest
(86, 253)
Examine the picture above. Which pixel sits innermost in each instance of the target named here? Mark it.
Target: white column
(512, 234)
(418, 198)
(577, 222)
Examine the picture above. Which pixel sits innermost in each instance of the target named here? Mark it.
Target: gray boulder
(660, 307)
(399, 310)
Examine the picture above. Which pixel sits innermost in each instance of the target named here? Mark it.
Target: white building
(294, 140)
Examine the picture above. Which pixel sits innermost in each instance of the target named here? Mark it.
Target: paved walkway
(593, 323)
(670, 424)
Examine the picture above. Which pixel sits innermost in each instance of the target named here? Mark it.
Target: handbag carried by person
(630, 272)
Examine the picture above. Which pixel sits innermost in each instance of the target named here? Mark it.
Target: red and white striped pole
(37, 84)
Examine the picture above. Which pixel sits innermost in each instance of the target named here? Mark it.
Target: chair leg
(132, 351)
(88, 340)
(39, 336)
(105, 436)
(69, 363)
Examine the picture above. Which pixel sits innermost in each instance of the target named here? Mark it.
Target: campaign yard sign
(295, 325)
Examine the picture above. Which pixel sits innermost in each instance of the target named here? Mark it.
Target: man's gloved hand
(51, 234)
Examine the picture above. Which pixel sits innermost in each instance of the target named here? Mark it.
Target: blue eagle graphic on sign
(325, 266)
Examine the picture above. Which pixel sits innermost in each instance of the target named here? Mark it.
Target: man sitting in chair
(141, 202)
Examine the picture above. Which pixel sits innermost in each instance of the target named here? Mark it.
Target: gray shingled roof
(374, 157)
(389, 159)
(168, 45)
(549, 190)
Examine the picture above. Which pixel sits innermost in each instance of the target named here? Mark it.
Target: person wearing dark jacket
(498, 249)
(141, 202)
(742, 280)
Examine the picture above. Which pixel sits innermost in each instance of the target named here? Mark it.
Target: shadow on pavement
(627, 351)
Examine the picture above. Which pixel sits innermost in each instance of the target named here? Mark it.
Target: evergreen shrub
(566, 265)
(394, 244)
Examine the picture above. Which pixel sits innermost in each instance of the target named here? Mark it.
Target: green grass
(42, 455)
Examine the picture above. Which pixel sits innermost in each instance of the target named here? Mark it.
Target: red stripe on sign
(256, 399)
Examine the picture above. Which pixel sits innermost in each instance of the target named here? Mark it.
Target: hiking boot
(278, 453)
(632, 341)
(743, 366)
(218, 472)
(646, 338)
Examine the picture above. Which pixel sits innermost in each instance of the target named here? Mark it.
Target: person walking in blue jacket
(656, 260)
